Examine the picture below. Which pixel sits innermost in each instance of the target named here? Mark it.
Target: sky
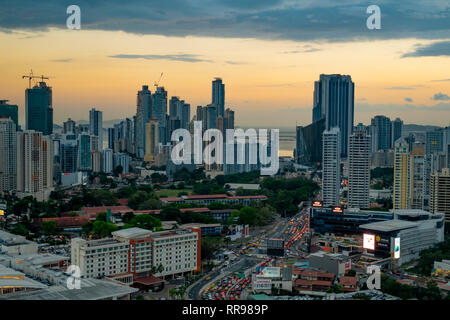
(268, 53)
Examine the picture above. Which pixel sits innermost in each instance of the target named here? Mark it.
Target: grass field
(172, 192)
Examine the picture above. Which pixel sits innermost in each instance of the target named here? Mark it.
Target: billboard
(317, 204)
(369, 241)
(337, 209)
(397, 248)
(262, 284)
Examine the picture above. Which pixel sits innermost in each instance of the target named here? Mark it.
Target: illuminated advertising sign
(369, 241)
(2, 212)
(397, 248)
(337, 210)
(317, 204)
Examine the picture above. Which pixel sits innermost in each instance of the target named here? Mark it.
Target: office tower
(179, 110)
(185, 115)
(331, 167)
(397, 130)
(440, 193)
(8, 155)
(159, 111)
(428, 168)
(84, 152)
(411, 140)
(151, 140)
(9, 111)
(38, 109)
(174, 107)
(34, 164)
(334, 97)
(107, 160)
(143, 113)
(381, 132)
(220, 124)
(402, 174)
(218, 96)
(434, 141)
(95, 143)
(69, 126)
(82, 128)
(111, 138)
(68, 150)
(416, 177)
(359, 169)
(448, 155)
(308, 150)
(122, 160)
(96, 160)
(199, 113)
(211, 117)
(228, 120)
(96, 125)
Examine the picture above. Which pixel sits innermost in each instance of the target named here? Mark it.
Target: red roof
(123, 201)
(64, 222)
(302, 282)
(97, 210)
(149, 280)
(207, 196)
(348, 281)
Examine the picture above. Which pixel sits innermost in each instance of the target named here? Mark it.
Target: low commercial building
(15, 245)
(220, 198)
(309, 281)
(329, 220)
(404, 237)
(208, 230)
(334, 263)
(348, 284)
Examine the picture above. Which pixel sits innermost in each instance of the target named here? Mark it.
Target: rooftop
(132, 233)
(388, 225)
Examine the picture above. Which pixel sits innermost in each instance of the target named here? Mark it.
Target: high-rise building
(381, 132)
(96, 160)
(440, 193)
(107, 160)
(68, 151)
(397, 130)
(218, 96)
(331, 167)
(359, 169)
(38, 109)
(111, 138)
(123, 160)
(69, 126)
(96, 125)
(402, 172)
(308, 149)
(8, 155)
(9, 111)
(34, 164)
(159, 101)
(434, 141)
(334, 97)
(151, 140)
(84, 152)
(228, 120)
(428, 168)
(417, 172)
(143, 114)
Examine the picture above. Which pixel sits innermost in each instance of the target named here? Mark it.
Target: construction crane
(157, 82)
(31, 76)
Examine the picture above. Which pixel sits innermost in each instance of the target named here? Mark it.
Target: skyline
(398, 70)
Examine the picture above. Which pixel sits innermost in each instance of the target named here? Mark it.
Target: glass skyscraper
(38, 109)
(218, 96)
(9, 111)
(334, 97)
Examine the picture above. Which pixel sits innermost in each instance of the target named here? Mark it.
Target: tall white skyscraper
(8, 155)
(331, 167)
(107, 160)
(359, 169)
(96, 125)
(34, 164)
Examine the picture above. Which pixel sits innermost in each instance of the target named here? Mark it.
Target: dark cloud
(174, 57)
(441, 80)
(400, 88)
(305, 20)
(440, 96)
(435, 49)
(408, 99)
